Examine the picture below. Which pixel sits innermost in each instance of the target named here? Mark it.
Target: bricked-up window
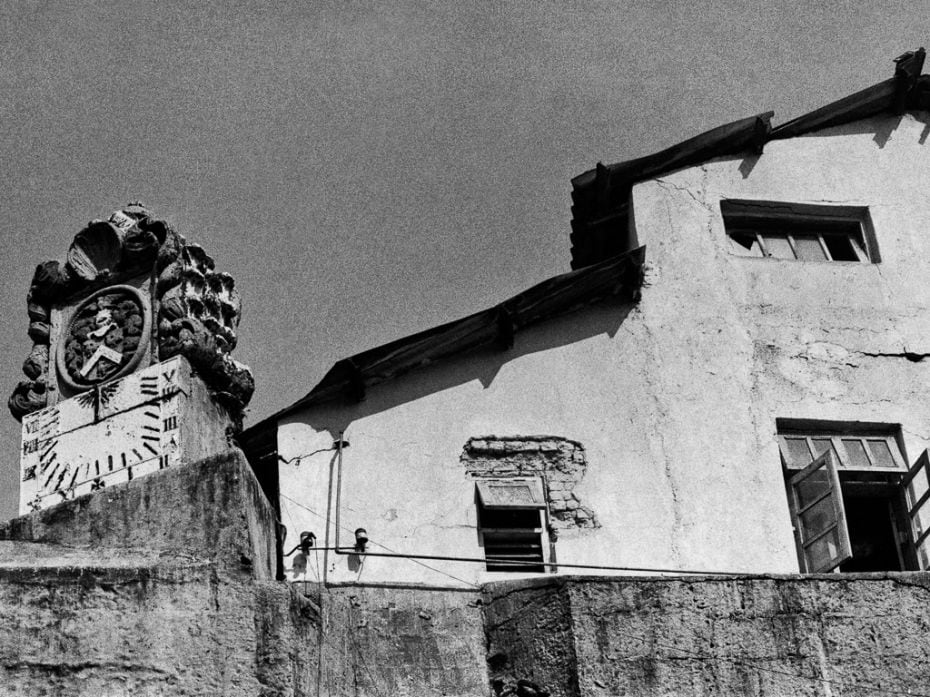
(855, 505)
(511, 523)
(800, 232)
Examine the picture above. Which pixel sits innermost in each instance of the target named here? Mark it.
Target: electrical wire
(299, 458)
(683, 654)
(415, 561)
(519, 562)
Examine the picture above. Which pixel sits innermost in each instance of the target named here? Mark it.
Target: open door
(818, 515)
(917, 491)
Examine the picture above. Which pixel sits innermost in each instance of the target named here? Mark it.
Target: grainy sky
(368, 170)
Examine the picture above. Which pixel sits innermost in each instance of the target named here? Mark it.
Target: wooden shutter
(917, 491)
(818, 515)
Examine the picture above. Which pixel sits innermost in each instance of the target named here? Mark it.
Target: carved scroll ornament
(196, 308)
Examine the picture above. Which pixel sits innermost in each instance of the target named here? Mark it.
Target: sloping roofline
(601, 196)
(602, 262)
(620, 275)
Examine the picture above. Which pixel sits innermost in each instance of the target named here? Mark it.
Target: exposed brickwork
(559, 461)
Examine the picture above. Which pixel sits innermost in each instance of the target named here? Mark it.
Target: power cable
(382, 546)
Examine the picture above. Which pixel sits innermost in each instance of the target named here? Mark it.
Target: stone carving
(110, 325)
(195, 312)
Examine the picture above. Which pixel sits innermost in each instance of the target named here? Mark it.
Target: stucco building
(740, 304)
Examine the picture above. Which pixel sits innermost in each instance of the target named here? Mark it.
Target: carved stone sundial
(130, 370)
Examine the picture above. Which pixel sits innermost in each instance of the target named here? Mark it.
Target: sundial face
(105, 338)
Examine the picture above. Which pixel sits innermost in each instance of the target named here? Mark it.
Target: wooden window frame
(788, 221)
(915, 499)
(834, 493)
(912, 484)
(484, 502)
(839, 447)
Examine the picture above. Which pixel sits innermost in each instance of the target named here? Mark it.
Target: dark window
(511, 524)
(801, 232)
(854, 504)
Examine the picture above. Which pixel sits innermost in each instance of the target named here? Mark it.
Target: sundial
(130, 371)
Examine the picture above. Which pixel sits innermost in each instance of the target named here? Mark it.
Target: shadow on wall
(881, 129)
(603, 318)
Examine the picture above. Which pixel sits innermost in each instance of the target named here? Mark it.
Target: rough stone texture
(155, 587)
(816, 635)
(403, 641)
(212, 509)
(560, 461)
(147, 631)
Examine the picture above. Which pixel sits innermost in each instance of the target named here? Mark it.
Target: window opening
(801, 232)
(511, 524)
(854, 505)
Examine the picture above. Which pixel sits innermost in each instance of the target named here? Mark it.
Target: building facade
(741, 304)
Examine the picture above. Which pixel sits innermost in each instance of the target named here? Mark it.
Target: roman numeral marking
(149, 385)
(169, 374)
(31, 446)
(171, 423)
(162, 462)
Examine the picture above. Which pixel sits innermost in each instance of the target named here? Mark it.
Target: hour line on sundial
(61, 478)
(149, 385)
(48, 447)
(53, 473)
(46, 465)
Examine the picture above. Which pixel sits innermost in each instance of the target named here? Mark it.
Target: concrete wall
(159, 587)
(155, 587)
(674, 400)
(407, 642)
(820, 635)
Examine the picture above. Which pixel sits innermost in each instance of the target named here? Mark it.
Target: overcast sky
(368, 170)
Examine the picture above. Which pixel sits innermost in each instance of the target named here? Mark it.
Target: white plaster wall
(675, 399)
